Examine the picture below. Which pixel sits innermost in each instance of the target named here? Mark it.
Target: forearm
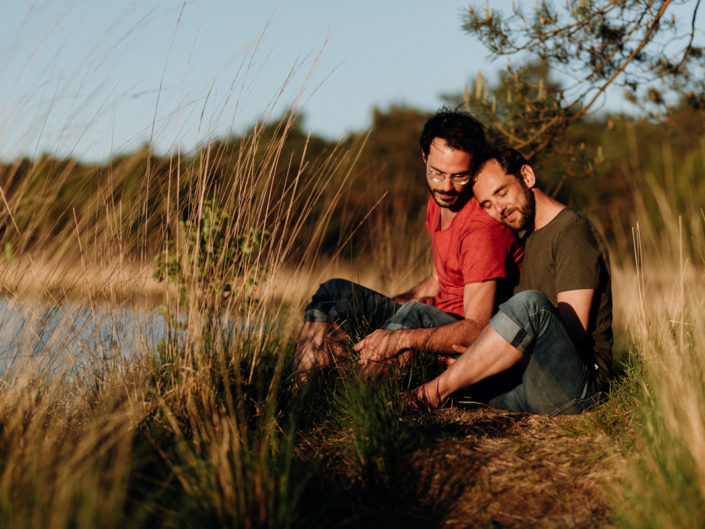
(440, 339)
(488, 355)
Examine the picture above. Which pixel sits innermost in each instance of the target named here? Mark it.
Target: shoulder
(570, 227)
(578, 230)
(474, 216)
(575, 243)
(431, 206)
(485, 238)
(472, 211)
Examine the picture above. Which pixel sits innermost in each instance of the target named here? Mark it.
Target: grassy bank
(189, 419)
(201, 428)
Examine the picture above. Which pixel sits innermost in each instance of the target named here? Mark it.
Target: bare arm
(491, 354)
(478, 301)
(478, 305)
(426, 290)
(574, 308)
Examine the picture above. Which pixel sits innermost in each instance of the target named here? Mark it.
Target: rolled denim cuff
(317, 316)
(511, 332)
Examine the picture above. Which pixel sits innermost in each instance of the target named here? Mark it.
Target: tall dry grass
(115, 415)
(119, 417)
(660, 311)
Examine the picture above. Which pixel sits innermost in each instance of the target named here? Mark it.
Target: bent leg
(557, 378)
(356, 309)
(527, 330)
(339, 309)
(415, 315)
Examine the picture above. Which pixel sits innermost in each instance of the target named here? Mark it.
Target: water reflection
(75, 333)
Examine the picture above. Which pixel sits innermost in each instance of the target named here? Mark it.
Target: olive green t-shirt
(569, 254)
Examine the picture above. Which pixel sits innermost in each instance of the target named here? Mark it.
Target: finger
(408, 399)
(414, 399)
(370, 372)
(459, 348)
(446, 361)
(359, 345)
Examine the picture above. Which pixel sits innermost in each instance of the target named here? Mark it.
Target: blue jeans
(557, 378)
(359, 310)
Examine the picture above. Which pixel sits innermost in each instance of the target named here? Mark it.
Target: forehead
(491, 178)
(442, 156)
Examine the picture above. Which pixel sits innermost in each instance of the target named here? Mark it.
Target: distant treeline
(134, 198)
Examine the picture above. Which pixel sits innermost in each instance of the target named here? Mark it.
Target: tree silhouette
(646, 47)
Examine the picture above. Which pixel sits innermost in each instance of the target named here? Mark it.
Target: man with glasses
(475, 263)
(548, 348)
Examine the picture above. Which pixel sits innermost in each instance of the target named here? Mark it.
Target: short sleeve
(578, 258)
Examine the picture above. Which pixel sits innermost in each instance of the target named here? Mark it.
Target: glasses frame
(458, 179)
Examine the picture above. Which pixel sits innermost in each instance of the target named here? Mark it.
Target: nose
(447, 185)
(499, 208)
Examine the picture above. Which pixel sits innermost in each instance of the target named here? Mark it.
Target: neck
(447, 216)
(546, 208)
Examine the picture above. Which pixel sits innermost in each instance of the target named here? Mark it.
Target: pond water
(79, 334)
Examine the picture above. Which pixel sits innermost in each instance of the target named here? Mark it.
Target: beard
(525, 214)
(527, 211)
(460, 198)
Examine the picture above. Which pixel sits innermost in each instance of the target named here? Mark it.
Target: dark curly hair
(459, 129)
(508, 158)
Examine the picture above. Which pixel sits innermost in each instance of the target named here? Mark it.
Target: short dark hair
(460, 130)
(507, 157)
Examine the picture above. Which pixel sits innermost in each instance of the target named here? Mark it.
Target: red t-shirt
(473, 249)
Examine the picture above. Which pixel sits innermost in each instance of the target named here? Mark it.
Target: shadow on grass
(491, 425)
(412, 499)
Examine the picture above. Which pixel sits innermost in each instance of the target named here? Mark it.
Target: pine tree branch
(688, 48)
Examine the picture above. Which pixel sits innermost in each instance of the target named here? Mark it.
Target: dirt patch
(481, 467)
(521, 470)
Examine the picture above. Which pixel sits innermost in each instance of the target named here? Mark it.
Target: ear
(528, 176)
(423, 155)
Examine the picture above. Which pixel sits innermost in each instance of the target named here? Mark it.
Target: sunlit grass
(663, 315)
(180, 414)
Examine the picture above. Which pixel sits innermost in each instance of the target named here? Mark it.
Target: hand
(428, 300)
(447, 360)
(377, 348)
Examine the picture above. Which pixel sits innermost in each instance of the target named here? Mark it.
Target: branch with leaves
(638, 45)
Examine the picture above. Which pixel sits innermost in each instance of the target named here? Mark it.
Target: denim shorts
(360, 310)
(556, 377)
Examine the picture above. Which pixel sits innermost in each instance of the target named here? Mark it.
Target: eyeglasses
(458, 179)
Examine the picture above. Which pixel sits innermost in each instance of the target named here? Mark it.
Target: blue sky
(90, 78)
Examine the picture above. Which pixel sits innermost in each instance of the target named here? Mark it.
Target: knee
(531, 298)
(527, 301)
(531, 310)
(332, 290)
(333, 285)
(407, 317)
(323, 300)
